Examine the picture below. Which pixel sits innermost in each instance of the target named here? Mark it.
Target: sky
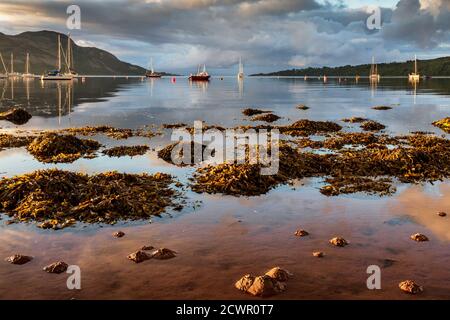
(269, 35)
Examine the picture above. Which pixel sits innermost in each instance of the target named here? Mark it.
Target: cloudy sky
(269, 34)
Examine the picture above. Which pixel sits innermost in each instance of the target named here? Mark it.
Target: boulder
(138, 256)
(410, 286)
(318, 254)
(419, 237)
(301, 233)
(18, 259)
(163, 254)
(339, 242)
(119, 234)
(279, 274)
(245, 282)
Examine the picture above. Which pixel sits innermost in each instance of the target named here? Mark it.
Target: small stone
(419, 237)
(18, 259)
(119, 234)
(442, 214)
(163, 254)
(245, 282)
(301, 233)
(318, 254)
(339, 242)
(147, 248)
(409, 286)
(279, 274)
(56, 267)
(138, 256)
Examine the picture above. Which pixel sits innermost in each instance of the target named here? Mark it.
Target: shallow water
(226, 237)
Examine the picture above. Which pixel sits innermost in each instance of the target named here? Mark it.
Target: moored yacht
(57, 74)
(151, 73)
(200, 76)
(415, 76)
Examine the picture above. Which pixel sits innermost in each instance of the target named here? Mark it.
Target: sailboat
(414, 77)
(3, 75)
(56, 74)
(152, 73)
(200, 76)
(240, 74)
(374, 76)
(13, 74)
(27, 73)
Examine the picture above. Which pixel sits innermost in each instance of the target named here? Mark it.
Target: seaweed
(54, 148)
(116, 133)
(381, 108)
(268, 117)
(443, 124)
(252, 112)
(12, 141)
(126, 151)
(53, 197)
(371, 125)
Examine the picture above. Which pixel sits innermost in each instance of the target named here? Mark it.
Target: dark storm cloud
(268, 34)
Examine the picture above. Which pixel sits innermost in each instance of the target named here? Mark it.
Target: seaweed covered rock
(419, 237)
(318, 254)
(130, 151)
(352, 184)
(174, 153)
(381, 108)
(307, 127)
(354, 119)
(269, 284)
(16, 115)
(138, 256)
(163, 254)
(371, 125)
(268, 117)
(102, 198)
(52, 147)
(279, 274)
(18, 259)
(115, 133)
(301, 233)
(252, 112)
(56, 267)
(302, 107)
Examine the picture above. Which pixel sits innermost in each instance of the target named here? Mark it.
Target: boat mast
(68, 52)
(27, 63)
(204, 67)
(415, 64)
(59, 53)
(12, 62)
(151, 65)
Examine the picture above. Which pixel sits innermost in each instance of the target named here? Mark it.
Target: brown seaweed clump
(178, 148)
(17, 116)
(354, 119)
(252, 112)
(174, 125)
(352, 184)
(55, 196)
(130, 151)
(371, 125)
(443, 124)
(116, 133)
(12, 141)
(381, 108)
(54, 148)
(307, 127)
(302, 107)
(267, 117)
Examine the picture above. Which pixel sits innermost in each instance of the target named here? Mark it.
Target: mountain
(434, 67)
(42, 46)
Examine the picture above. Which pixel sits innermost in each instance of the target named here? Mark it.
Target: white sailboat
(13, 74)
(27, 73)
(152, 73)
(415, 76)
(69, 59)
(240, 74)
(56, 74)
(374, 76)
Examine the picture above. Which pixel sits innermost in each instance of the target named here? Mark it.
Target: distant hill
(434, 67)
(42, 46)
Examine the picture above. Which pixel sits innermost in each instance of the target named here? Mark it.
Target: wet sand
(229, 237)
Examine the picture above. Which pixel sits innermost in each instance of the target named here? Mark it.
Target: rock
(163, 254)
(419, 237)
(18, 259)
(16, 115)
(442, 214)
(138, 256)
(119, 234)
(56, 267)
(302, 107)
(263, 286)
(147, 248)
(279, 274)
(318, 254)
(245, 282)
(339, 242)
(409, 286)
(301, 233)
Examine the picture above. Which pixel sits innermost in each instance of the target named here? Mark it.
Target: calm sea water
(226, 237)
